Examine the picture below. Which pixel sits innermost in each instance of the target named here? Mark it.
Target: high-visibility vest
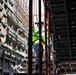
(36, 35)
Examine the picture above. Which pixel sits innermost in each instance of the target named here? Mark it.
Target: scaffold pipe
(45, 18)
(48, 15)
(30, 40)
(40, 45)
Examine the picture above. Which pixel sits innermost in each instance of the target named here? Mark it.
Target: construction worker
(36, 41)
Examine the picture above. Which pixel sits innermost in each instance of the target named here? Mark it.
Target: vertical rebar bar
(45, 14)
(30, 40)
(48, 15)
(40, 45)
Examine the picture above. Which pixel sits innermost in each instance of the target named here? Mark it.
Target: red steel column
(49, 15)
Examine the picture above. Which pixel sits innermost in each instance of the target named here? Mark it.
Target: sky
(36, 10)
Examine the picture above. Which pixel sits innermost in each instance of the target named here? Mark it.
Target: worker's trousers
(36, 50)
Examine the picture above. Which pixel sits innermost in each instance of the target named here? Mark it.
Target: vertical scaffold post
(45, 15)
(30, 40)
(48, 15)
(40, 45)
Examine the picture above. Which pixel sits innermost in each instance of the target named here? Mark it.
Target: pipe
(30, 39)
(40, 45)
(48, 16)
(45, 14)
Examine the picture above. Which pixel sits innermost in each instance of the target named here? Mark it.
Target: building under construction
(17, 19)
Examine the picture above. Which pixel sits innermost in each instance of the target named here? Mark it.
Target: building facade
(14, 20)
